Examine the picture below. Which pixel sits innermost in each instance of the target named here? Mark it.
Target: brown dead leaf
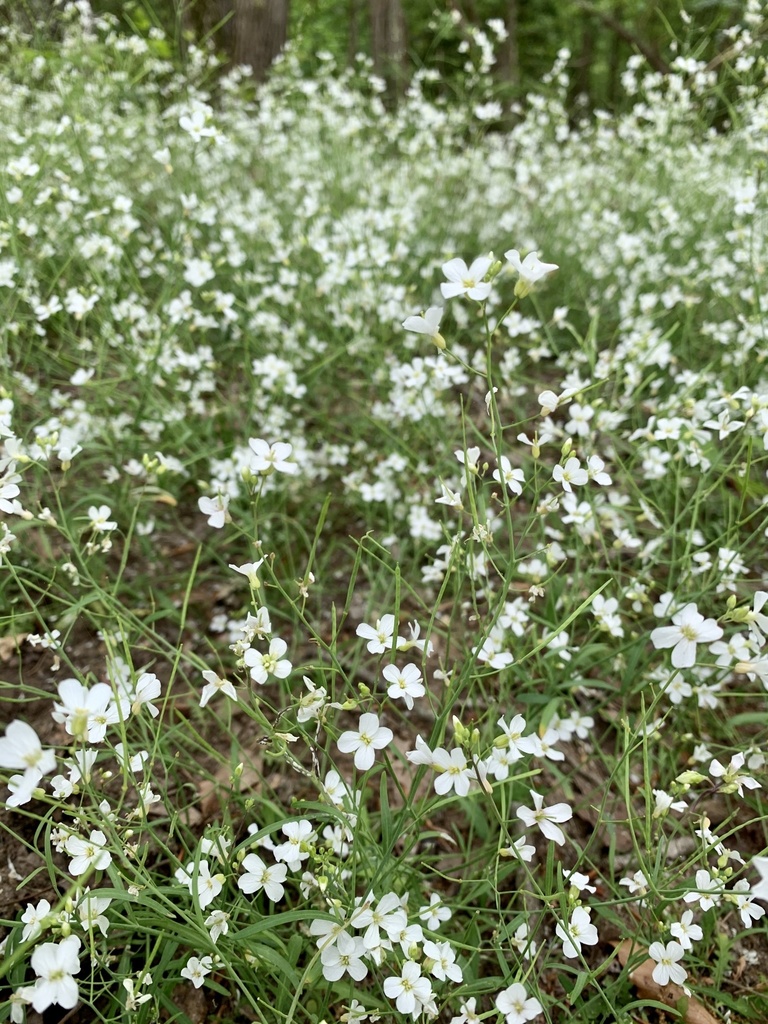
(642, 977)
(9, 645)
(738, 970)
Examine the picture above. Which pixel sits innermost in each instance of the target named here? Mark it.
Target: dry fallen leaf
(738, 970)
(642, 977)
(10, 644)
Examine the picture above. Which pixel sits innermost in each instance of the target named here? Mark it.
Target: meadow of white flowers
(382, 552)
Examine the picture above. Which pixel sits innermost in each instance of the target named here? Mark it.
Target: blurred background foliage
(403, 36)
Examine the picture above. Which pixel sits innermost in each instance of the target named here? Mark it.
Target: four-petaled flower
(667, 967)
(690, 628)
(369, 737)
(530, 271)
(197, 969)
(577, 933)
(344, 956)
(88, 853)
(258, 876)
(516, 1005)
(427, 323)
(513, 478)
(264, 665)
(54, 963)
(469, 282)
(21, 748)
(545, 817)
(571, 473)
(404, 683)
(217, 510)
(267, 458)
(410, 991)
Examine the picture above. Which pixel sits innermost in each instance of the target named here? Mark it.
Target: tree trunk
(353, 37)
(388, 42)
(580, 88)
(509, 53)
(252, 32)
(261, 28)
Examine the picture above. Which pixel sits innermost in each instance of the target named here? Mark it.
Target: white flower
(264, 665)
(578, 881)
(22, 787)
(88, 853)
(570, 473)
(530, 271)
(690, 628)
(215, 684)
(195, 123)
(577, 933)
(428, 324)
(198, 272)
(148, 687)
(258, 876)
(523, 942)
(86, 712)
(91, 909)
(549, 401)
(454, 772)
(733, 779)
(636, 883)
(34, 919)
(469, 282)
(249, 570)
(756, 619)
(520, 848)
(404, 684)
(217, 510)
(710, 890)
(364, 742)
(450, 498)
(667, 968)
(197, 969)
(134, 999)
(545, 817)
(468, 1013)
(685, 931)
(217, 924)
(54, 963)
(379, 637)
(513, 478)
(760, 891)
(100, 521)
(516, 1005)
(444, 961)
(422, 754)
(410, 990)
(201, 882)
(21, 748)
(268, 458)
(312, 703)
(743, 898)
(299, 837)
(469, 458)
(595, 471)
(435, 913)
(344, 957)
